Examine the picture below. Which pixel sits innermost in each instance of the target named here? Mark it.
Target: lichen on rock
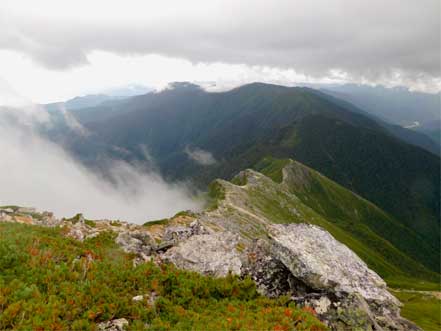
(211, 254)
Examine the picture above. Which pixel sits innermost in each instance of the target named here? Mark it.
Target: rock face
(27, 215)
(329, 277)
(180, 233)
(136, 242)
(321, 262)
(271, 276)
(210, 254)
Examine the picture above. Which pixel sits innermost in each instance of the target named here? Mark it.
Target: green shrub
(185, 213)
(90, 223)
(162, 221)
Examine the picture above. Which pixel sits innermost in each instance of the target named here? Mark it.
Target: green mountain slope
(244, 125)
(305, 196)
(348, 210)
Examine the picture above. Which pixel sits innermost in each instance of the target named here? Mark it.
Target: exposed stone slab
(213, 254)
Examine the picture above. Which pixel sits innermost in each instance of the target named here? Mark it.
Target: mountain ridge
(238, 128)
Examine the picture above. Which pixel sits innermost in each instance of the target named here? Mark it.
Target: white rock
(214, 254)
(321, 305)
(138, 298)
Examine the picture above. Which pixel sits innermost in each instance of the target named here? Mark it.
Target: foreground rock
(138, 242)
(321, 262)
(210, 254)
(334, 280)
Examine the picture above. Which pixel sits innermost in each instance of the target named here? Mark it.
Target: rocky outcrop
(211, 254)
(137, 242)
(27, 215)
(180, 233)
(307, 263)
(321, 262)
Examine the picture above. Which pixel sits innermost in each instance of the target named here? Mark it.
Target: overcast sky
(52, 50)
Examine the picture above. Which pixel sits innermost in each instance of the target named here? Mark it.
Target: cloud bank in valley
(36, 172)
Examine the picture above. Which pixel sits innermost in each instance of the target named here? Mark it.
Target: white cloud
(200, 156)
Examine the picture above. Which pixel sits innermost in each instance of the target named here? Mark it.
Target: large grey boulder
(313, 255)
(211, 254)
(334, 280)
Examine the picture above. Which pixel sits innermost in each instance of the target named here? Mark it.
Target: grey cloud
(373, 40)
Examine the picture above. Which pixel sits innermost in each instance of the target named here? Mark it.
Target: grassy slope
(351, 211)
(384, 244)
(49, 282)
(422, 308)
(353, 221)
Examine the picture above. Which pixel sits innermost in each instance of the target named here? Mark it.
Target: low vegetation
(215, 194)
(162, 221)
(50, 282)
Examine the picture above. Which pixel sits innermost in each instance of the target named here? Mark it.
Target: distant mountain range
(396, 105)
(395, 108)
(93, 100)
(431, 129)
(416, 110)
